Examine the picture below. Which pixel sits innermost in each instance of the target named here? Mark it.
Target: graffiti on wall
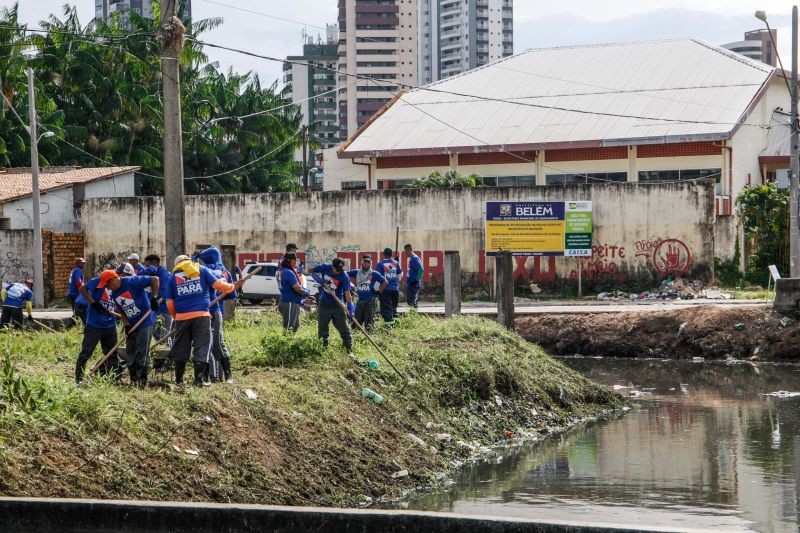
(114, 259)
(13, 268)
(672, 257)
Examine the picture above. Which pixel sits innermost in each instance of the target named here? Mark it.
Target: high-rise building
(311, 74)
(377, 38)
(104, 9)
(757, 45)
(459, 35)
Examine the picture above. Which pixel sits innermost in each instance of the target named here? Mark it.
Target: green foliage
(17, 392)
(449, 180)
(727, 272)
(279, 348)
(99, 90)
(765, 213)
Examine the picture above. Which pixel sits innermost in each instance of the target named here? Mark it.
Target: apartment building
(377, 39)
(310, 82)
(758, 45)
(459, 35)
(104, 9)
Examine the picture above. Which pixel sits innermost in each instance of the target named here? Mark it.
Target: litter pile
(670, 289)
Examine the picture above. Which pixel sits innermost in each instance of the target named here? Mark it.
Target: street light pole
(794, 162)
(38, 261)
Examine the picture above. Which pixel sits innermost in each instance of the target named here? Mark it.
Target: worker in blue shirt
(133, 302)
(153, 268)
(414, 277)
(75, 282)
(292, 293)
(14, 296)
(390, 269)
(336, 279)
(133, 259)
(101, 323)
(212, 258)
(369, 284)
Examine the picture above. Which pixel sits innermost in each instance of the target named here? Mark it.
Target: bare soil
(709, 332)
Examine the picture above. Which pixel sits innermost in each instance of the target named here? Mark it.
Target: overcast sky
(537, 23)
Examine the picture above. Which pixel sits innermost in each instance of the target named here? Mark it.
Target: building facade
(757, 45)
(377, 39)
(104, 9)
(456, 36)
(310, 82)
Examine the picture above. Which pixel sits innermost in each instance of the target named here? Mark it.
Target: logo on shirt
(15, 291)
(128, 304)
(106, 301)
(389, 271)
(187, 287)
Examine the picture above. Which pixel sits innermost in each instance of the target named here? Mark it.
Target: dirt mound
(709, 331)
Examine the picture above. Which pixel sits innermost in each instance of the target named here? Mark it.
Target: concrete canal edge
(30, 515)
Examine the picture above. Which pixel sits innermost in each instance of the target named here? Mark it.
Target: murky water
(707, 450)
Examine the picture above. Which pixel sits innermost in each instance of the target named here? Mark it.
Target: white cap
(181, 258)
(133, 257)
(126, 269)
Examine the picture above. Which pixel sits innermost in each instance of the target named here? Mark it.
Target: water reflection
(707, 450)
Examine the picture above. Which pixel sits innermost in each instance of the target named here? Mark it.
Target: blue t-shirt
(163, 276)
(288, 281)
(94, 318)
(339, 282)
(138, 268)
(222, 273)
(81, 301)
(74, 277)
(366, 291)
(390, 269)
(17, 294)
(191, 294)
(133, 301)
(414, 268)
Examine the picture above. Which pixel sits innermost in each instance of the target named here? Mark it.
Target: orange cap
(105, 276)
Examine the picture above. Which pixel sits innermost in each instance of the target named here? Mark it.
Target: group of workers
(371, 285)
(183, 307)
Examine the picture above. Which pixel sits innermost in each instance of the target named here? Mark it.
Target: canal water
(708, 449)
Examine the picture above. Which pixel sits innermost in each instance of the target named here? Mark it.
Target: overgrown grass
(308, 438)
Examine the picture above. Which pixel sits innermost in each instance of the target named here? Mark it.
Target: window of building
(508, 181)
(590, 177)
(651, 176)
(354, 185)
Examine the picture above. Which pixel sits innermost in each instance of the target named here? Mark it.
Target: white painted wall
(57, 212)
(114, 187)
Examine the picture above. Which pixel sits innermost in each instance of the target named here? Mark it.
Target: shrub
(279, 348)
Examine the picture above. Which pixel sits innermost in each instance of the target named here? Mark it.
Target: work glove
(97, 306)
(153, 304)
(351, 309)
(306, 294)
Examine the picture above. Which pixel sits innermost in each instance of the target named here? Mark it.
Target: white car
(265, 285)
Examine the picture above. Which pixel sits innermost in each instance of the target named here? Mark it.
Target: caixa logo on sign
(578, 253)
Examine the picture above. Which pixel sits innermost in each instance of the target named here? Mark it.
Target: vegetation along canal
(713, 446)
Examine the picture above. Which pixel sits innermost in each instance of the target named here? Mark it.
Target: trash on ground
(176, 448)
(444, 437)
(785, 321)
(191, 452)
(399, 474)
(372, 395)
(698, 359)
(250, 394)
(782, 394)
(738, 326)
(415, 439)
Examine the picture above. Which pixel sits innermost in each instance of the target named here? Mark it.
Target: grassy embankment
(309, 438)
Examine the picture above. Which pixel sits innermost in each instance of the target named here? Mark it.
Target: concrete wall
(122, 185)
(57, 211)
(642, 233)
(46, 515)
(16, 255)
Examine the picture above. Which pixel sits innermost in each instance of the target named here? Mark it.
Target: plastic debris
(682, 328)
(399, 474)
(250, 394)
(176, 448)
(739, 326)
(698, 359)
(444, 437)
(782, 394)
(498, 400)
(429, 425)
(191, 452)
(785, 321)
(415, 439)
(372, 395)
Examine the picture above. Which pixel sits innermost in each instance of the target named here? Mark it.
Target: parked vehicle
(264, 284)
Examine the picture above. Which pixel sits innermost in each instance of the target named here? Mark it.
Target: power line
(476, 97)
(263, 14)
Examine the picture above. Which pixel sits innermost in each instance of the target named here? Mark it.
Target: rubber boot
(180, 368)
(199, 375)
(226, 369)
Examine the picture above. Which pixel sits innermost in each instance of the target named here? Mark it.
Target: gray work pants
(137, 354)
(193, 333)
(219, 351)
(291, 315)
(330, 311)
(365, 313)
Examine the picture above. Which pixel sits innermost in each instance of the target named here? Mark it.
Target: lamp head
(761, 15)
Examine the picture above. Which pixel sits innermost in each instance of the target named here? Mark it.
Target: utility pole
(38, 261)
(170, 35)
(305, 158)
(794, 163)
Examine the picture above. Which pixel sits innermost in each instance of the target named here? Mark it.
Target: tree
(450, 179)
(98, 90)
(765, 214)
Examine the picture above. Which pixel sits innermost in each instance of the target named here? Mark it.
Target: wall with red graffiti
(641, 232)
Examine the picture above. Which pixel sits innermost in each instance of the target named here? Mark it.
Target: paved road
(525, 307)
